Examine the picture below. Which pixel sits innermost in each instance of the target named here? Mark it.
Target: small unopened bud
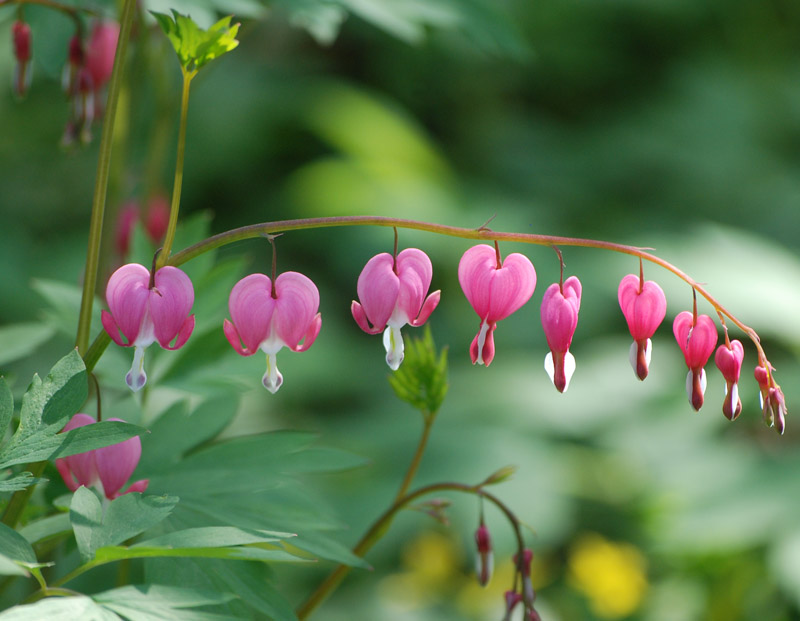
(156, 219)
(75, 60)
(484, 561)
(524, 567)
(773, 403)
(512, 600)
(126, 220)
(23, 69)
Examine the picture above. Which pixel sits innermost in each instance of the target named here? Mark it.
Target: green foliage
(194, 46)
(20, 340)
(421, 381)
(6, 405)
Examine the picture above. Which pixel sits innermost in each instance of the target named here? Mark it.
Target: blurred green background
(668, 124)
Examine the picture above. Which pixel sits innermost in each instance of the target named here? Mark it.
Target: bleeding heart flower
(644, 305)
(392, 294)
(23, 69)
(484, 561)
(107, 468)
(495, 289)
(773, 403)
(560, 307)
(269, 316)
(100, 52)
(697, 338)
(147, 309)
(729, 361)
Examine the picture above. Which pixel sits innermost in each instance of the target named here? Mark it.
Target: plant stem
(412, 469)
(101, 180)
(381, 526)
(178, 183)
(19, 500)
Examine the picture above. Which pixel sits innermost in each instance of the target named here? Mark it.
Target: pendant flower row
(268, 314)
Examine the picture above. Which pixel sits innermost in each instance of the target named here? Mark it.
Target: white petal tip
(548, 366)
(393, 342)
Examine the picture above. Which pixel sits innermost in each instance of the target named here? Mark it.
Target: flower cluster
(268, 314)
(107, 469)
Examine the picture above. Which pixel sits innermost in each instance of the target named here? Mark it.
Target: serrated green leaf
(194, 46)
(18, 482)
(60, 609)
(15, 546)
(6, 406)
(147, 602)
(50, 526)
(214, 536)
(125, 517)
(19, 340)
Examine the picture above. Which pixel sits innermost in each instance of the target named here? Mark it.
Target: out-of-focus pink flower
(729, 361)
(392, 294)
(495, 289)
(560, 306)
(100, 52)
(147, 309)
(23, 69)
(269, 317)
(107, 468)
(697, 337)
(484, 561)
(126, 220)
(644, 306)
(76, 58)
(156, 218)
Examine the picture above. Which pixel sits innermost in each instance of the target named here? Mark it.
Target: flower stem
(178, 183)
(101, 180)
(381, 526)
(412, 469)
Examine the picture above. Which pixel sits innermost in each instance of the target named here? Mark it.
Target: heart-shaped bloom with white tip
(729, 359)
(644, 306)
(268, 318)
(392, 294)
(495, 290)
(697, 338)
(560, 306)
(145, 309)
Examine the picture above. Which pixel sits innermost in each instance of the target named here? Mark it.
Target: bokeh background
(667, 124)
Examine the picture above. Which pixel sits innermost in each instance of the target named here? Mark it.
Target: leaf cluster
(421, 381)
(194, 46)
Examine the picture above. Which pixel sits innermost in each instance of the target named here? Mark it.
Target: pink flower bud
(100, 52)
(75, 60)
(495, 290)
(392, 294)
(697, 338)
(644, 306)
(524, 567)
(23, 69)
(773, 403)
(147, 309)
(269, 316)
(106, 468)
(512, 601)
(560, 307)
(156, 220)
(126, 220)
(484, 561)
(729, 361)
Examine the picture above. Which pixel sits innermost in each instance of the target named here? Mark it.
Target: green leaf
(235, 553)
(15, 546)
(19, 340)
(125, 517)
(9, 568)
(60, 609)
(194, 46)
(148, 602)
(214, 536)
(18, 482)
(421, 381)
(47, 527)
(6, 406)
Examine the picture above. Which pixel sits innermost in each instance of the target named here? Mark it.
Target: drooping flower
(269, 316)
(729, 361)
(484, 561)
(560, 307)
(644, 306)
(145, 309)
(392, 294)
(100, 52)
(697, 338)
(76, 58)
(107, 468)
(23, 69)
(495, 289)
(773, 403)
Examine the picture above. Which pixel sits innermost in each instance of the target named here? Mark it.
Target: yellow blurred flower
(611, 575)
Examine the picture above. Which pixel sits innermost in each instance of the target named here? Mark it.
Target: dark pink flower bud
(495, 290)
(156, 220)
(106, 468)
(560, 307)
(729, 362)
(524, 567)
(23, 69)
(644, 306)
(697, 338)
(146, 309)
(484, 561)
(75, 60)
(100, 52)
(512, 601)
(126, 220)
(773, 403)
(270, 317)
(392, 294)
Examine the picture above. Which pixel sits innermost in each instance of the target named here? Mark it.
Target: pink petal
(560, 315)
(137, 486)
(377, 288)
(697, 343)
(251, 306)
(112, 328)
(127, 295)
(311, 334)
(295, 308)
(475, 271)
(66, 474)
(431, 302)
(415, 272)
(361, 318)
(170, 302)
(729, 361)
(100, 52)
(643, 311)
(116, 463)
(233, 338)
(80, 467)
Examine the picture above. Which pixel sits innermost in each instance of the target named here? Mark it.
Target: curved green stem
(101, 181)
(412, 469)
(178, 183)
(381, 526)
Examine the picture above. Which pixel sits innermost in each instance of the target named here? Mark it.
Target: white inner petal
(648, 351)
(633, 356)
(689, 385)
(703, 381)
(482, 340)
(393, 343)
(272, 379)
(569, 368)
(550, 367)
(734, 394)
(136, 377)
